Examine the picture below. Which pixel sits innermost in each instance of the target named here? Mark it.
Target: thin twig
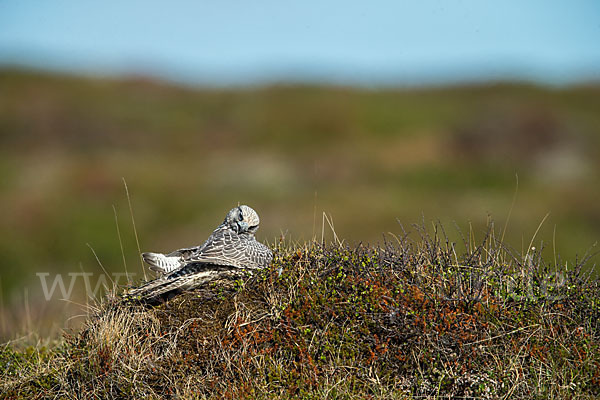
(504, 334)
(137, 241)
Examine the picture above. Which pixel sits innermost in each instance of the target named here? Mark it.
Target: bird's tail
(162, 263)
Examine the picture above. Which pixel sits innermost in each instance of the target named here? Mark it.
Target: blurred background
(380, 114)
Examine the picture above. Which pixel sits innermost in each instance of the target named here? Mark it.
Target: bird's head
(242, 219)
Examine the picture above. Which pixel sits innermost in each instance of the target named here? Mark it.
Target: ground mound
(403, 320)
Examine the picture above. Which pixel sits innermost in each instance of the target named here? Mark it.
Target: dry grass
(403, 320)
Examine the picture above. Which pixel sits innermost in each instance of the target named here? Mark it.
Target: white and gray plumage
(232, 244)
(230, 248)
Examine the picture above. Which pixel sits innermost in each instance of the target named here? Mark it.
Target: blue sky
(349, 42)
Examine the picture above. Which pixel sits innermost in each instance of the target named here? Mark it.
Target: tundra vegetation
(409, 319)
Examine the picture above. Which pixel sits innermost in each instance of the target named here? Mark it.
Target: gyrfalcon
(231, 247)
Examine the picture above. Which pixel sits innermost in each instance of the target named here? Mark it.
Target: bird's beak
(242, 226)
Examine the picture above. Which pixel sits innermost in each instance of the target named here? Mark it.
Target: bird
(230, 249)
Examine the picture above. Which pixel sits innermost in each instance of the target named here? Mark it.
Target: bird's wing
(190, 276)
(185, 253)
(228, 248)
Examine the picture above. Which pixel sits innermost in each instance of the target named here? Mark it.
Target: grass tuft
(402, 320)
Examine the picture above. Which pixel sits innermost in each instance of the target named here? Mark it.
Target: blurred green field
(371, 159)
